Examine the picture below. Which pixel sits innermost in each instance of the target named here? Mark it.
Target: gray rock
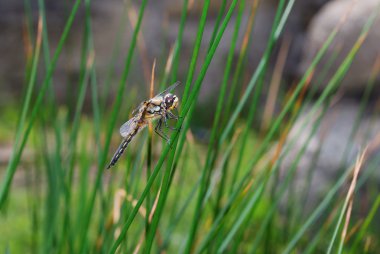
(324, 23)
(295, 30)
(332, 149)
(159, 31)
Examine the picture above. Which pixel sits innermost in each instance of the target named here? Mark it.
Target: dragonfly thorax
(171, 101)
(154, 109)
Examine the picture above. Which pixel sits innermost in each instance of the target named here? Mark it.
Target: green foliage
(220, 197)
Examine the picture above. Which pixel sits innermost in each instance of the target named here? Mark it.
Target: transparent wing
(128, 127)
(138, 108)
(169, 89)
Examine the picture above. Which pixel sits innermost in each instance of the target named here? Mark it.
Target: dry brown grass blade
(248, 32)
(353, 230)
(120, 196)
(350, 193)
(151, 91)
(39, 32)
(169, 61)
(275, 84)
(28, 45)
(375, 68)
(368, 151)
(159, 238)
(288, 126)
(252, 15)
(132, 16)
(152, 75)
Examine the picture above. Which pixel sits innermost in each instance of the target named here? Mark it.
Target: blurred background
(325, 144)
(306, 29)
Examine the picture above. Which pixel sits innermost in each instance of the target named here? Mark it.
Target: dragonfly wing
(136, 110)
(169, 89)
(128, 127)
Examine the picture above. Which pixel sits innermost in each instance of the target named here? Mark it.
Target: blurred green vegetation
(223, 195)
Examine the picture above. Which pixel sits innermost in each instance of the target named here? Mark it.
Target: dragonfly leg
(170, 115)
(158, 130)
(165, 118)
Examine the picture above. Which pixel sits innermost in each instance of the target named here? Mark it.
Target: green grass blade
(115, 112)
(175, 135)
(256, 76)
(12, 165)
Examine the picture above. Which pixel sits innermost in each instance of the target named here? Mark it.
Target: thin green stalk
(175, 134)
(283, 187)
(330, 87)
(319, 235)
(186, 126)
(175, 65)
(292, 100)
(52, 200)
(105, 88)
(260, 81)
(358, 119)
(242, 217)
(224, 85)
(290, 175)
(258, 72)
(317, 212)
(206, 170)
(16, 156)
(368, 220)
(222, 94)
(30, 87)
(275, 126)
(170, 169)
(241, 62)
(95, 102)
(86, 68)
(224, 164)
(171, 166)
(219, 220)
(148, 173)
(194, 58)
(217, 22)
(279, 11)
(222, 184)
(338, 77)
(186, 203)
(311, 169)
(115, 112)
(178, 44)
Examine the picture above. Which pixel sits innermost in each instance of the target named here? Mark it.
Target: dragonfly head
(171, 101)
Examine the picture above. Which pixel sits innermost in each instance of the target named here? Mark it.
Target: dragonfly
(157, 108)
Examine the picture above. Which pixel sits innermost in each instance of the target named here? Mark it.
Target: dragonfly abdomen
(120, 150)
